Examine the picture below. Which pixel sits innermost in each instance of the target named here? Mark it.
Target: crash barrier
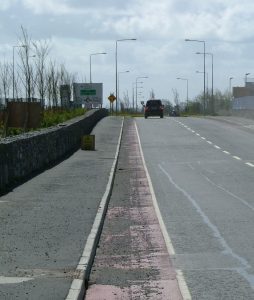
(31, 152)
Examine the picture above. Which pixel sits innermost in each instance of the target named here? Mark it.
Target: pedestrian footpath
(45, 222)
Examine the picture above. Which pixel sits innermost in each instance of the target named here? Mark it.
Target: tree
(24, 52)
(42, 51)
(5, 79)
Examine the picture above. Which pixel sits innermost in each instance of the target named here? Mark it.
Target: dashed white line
(215, 146)
(249, 164)
(226, 152)
(237, 157)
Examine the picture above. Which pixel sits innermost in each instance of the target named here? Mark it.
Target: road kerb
(79, 284)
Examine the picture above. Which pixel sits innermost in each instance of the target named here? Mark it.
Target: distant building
(243, 97)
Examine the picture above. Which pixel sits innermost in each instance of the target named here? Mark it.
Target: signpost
(88, 94)
(111, 98)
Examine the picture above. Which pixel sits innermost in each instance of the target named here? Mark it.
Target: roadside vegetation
(51, 117)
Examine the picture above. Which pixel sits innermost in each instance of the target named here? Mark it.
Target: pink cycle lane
(132, 260)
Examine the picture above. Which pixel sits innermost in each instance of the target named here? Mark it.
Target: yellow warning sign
(112, 98)
(88, 142)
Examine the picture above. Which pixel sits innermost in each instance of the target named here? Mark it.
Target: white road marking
(226, 152)
(228, 192)
(85, 261)
(12, 280)
(207, 221)
(249, 164)
(217, 147)
(237, 157)
(181, 280)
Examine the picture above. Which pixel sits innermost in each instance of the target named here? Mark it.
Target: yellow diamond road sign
(112, 98)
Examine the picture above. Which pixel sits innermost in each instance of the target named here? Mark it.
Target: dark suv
(154, 108)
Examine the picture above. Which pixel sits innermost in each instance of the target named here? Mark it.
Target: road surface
(203, 172)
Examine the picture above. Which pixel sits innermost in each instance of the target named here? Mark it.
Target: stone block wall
(25, 154)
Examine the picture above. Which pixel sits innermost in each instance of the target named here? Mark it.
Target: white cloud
(6, 4)
(54, 7)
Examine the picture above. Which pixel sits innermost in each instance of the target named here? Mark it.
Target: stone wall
(25, 154)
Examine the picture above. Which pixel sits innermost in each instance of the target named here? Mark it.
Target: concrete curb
(80, 282)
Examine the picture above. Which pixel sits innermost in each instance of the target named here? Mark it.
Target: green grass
(53, 117)
(50, 118)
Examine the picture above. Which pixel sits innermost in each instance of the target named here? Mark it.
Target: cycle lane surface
(132, 260)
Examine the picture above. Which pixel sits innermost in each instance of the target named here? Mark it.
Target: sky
(76, 29)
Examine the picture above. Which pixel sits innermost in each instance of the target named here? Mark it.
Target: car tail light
(146, 108)
(162, 107)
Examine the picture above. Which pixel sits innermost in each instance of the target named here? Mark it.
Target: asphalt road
(202, 170)
(45, 222)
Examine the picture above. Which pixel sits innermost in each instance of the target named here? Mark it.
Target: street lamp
(230, 79)
(122, 40)
(200, 41)
(91, 63)
(187, 82)
(200, 72)
(211, 54)
(246, 74)
(28, 77)
(137, 90)
(133, 94)
(13, 67)
(119, 81)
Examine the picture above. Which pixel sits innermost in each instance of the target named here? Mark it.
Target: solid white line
(236, 157)
(249, 164)
(85, 260)
(180, 278)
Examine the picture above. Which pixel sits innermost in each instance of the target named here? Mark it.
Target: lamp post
(137, 90)
(133, 94)
(187, 87)
(211, 54)
(246, 74)
(200, 41)
(13, 67)
(230, 80)
(200, 72)
(122, 40)
(118, 89)
(28, 81)
(91, 63)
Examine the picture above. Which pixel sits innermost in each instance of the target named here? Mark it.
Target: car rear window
(153, 102)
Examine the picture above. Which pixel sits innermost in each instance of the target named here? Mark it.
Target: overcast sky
(78, 28)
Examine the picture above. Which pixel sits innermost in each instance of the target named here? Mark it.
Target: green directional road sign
(87, 92)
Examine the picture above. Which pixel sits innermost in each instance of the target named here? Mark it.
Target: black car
(154, 108)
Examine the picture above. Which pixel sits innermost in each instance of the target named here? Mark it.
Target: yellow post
(88, 142)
